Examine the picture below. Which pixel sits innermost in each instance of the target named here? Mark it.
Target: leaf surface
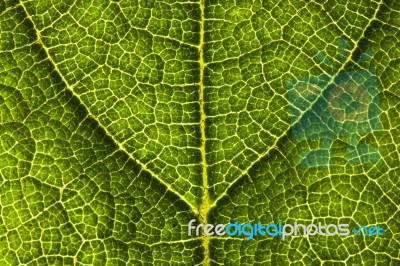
(123, 120)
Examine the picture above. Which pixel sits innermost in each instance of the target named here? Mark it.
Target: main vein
(205, 201)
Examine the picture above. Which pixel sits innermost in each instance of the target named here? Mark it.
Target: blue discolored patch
(325, 107)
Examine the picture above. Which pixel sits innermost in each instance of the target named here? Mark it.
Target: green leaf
(120, 121)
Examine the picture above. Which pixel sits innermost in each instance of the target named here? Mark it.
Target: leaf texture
(120, 121)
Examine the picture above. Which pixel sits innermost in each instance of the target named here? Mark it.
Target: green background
(120, 121)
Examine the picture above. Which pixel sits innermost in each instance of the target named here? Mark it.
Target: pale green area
(100, 133)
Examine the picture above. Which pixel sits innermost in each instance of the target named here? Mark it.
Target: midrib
(205, 201)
